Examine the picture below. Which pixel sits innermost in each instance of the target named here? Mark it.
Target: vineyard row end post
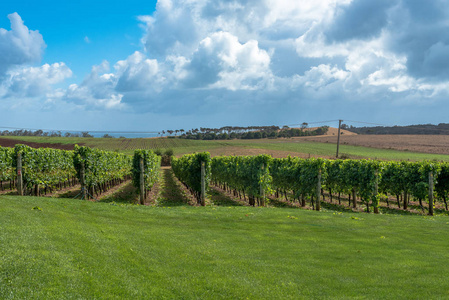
(318, 192)
(142, 182)
(83, 181)
(376, 192)
(431, 193)
(262, 190)
(19, 174)
(203, 184)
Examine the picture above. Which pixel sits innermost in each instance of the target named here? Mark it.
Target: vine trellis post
(431, 193)
(318, 192)
(19, 174)
(142, 182)
(203, 184)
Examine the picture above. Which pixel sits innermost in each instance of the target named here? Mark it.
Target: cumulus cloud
(96, 91)
(358, 48)
(19, 45)
(34, 81)
(360, 19)
(221, 61)
(220, 56)
(137, 73)
(132, 80)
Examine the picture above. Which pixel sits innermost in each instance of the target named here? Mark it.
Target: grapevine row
(188, 170)
(6, 168)
(44, 168)
(102, 169)
(254, 177)
(151, 164)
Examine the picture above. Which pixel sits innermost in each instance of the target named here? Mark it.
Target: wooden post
(318, 192)
(203, 184)
(262, 190)
(83, 182)
(142, 182)
(354, 198)
(376, 191)
(431, 193)
(338, 137)
(19, 174)
(405, 200)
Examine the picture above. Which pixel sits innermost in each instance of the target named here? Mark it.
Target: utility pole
(338, 138)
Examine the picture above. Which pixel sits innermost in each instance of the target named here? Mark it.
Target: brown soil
(5, 142)
(434, 144)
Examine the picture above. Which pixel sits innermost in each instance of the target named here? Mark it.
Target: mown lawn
(66, 248)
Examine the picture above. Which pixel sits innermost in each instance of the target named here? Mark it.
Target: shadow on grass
(126, 194)
(283, 203)
(70, 194)
(171, 194)
(335, 207)
(222, 200)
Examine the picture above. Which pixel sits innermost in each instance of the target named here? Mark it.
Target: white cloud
(203, 55)
(221, 61)
(137, 73)
(19, 45)
(34, 81)
(96, 91)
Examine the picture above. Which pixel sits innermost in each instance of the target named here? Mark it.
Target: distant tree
(86, 134)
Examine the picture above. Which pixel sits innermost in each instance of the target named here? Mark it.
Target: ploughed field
(433, 144)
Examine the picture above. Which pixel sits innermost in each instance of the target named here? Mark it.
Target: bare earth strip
(435, 144)
(5, 142)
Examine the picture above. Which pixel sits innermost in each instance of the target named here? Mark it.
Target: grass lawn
(85, 250)
(329, 149)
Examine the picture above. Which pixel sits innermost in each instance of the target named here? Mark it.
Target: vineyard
(173, 242)
(257, 178)
(254, 179)
(36, 171)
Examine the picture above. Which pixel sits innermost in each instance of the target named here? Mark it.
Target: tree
(86, 134)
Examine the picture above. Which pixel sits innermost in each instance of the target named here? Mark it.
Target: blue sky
(171, 64)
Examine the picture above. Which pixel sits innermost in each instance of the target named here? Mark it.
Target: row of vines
(194, 170)
(257, 177)
(96, 170)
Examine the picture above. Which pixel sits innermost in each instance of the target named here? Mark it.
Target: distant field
(303, 147)
(433, 144)
(73, 249)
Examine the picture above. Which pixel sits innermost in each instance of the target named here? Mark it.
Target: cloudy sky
(170, 64)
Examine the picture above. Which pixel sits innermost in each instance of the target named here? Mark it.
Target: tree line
(250, 132)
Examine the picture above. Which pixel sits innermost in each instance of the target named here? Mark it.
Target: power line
(320, 122)
(361, 122)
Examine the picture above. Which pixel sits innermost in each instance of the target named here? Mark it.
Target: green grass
(329, 149)
(183, 146)
(84, 250)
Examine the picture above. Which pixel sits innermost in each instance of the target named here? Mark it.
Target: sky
(155, 65)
